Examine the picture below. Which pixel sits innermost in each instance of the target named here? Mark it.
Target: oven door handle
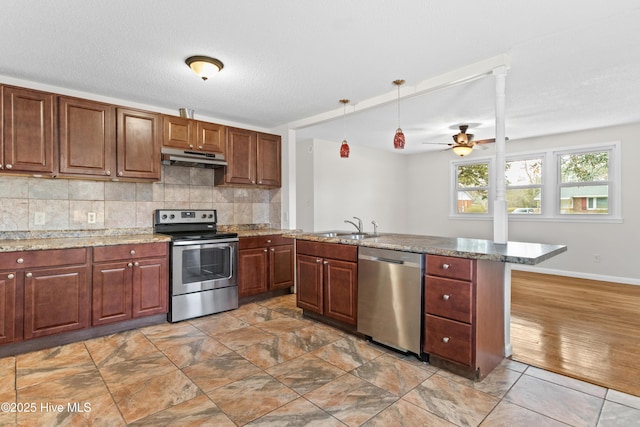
(203, 242)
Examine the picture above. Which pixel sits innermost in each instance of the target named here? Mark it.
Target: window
(472, 188)
(584, 182)
(580, 183)
(524, 185)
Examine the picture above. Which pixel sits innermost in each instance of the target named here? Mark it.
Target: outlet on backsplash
(39, 218)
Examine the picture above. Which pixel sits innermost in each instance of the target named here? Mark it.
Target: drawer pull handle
(19, 260)
(445, 340)
(446, 266)
(29, 275)
(132, 252)
(10, 276)
(446, 297)
(268, 241)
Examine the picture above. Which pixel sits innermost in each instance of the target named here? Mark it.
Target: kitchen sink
(345, 234)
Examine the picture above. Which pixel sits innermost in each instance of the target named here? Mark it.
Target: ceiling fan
(463, 142)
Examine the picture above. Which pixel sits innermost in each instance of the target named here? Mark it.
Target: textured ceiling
(574, 64)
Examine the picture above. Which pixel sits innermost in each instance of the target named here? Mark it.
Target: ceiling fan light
(204, 66)
(462, 150)
(398, 140)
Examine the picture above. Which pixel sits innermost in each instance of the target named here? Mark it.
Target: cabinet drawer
(451, 267)
(263, 241)
(44, 258)
(328, 250)
(118, 252)
(448, 298)
(448, 339)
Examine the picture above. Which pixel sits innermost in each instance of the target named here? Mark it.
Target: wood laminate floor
(580, 328)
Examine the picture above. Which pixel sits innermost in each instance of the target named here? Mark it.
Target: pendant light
(344, 147)
(398, 138)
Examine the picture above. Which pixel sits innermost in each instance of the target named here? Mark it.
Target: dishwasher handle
(388, 260)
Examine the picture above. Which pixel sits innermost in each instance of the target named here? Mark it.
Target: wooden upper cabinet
(138, 144)
(253, 158)
(241, 156)
(87, 138)
(268, 156)
(28, 131)
(189, 134)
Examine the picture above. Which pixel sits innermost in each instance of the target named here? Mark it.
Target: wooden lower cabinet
(265, 263)
(464, 314)
(8, 305)
(327, 280)
(129, 281)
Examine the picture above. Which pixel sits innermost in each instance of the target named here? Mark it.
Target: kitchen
(387, 190)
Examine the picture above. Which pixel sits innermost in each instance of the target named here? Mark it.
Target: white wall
(411, 194)
(370, 184)
(616, 243)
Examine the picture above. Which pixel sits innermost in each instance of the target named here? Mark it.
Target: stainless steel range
(204, 263)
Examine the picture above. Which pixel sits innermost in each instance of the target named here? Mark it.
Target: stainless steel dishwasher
(390, 297)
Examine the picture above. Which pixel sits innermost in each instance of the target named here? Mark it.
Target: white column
(500, 216)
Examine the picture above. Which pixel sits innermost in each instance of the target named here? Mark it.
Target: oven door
(202, 266)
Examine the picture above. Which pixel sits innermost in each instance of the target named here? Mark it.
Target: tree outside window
(584, 183)
(472, 184)
(524, 186)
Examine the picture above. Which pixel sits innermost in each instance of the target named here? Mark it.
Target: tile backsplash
(66, 204)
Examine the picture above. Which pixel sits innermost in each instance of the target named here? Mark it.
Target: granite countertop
(263, 232)
(513, 252)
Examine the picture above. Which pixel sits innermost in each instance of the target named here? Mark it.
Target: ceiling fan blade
(485, 141)
(437, 143)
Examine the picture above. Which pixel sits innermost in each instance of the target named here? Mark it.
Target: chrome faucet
(358, 226)
(375, 227)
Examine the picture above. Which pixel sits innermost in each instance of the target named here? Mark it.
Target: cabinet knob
(190, 145)
(19, 260)
(318, 260)
(11, 276)
(326, 262)
(200, 147)
(120, 173)
(1, 166)
(445, 266)
(132, 251)
(445, 297)
(269, 241)
(259, 182)
(107, 172)
(29, 275)
(265, 250)
(9, 166)
(273, 249)
(130, 265)
(136, 263)
(445, 340)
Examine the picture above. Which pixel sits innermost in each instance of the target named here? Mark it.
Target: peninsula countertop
(512, 252)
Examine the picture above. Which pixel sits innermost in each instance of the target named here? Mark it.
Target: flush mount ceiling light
(398, 138)
(204, 66)
(344, 147)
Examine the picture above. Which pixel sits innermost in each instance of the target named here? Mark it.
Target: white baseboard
(579, 275)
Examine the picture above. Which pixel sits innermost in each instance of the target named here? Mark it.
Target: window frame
(551, 184)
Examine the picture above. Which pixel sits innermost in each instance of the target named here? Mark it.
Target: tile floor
(265, 365)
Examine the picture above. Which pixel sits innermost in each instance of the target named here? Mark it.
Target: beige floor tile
(243, 337)
(624, 398)
(195, 351)
(251, 397)
(497, 383)
(305, 373)
(199, 411)
(509, 415)
(135, 370)
(218, 324)
(220, 371)
(52, 363)
(299, 412)
(312, 337)
(615, 414)
(270, 352)
(119, 347)
(172, 334)
(391, 374)
(347, 353)
(555, 401)
(283, 325)
(8, 382)
(513, 365)
(452, 401)
(403, 413)
(254, 314)
(568, 382)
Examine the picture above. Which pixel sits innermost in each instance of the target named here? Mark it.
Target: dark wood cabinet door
(309, 292)
(138, 144)
(111, 293)
(178, 132)
(55, 300)
(281, 267)
(8, 306)
(341, 290)
(211, 137)
(150, 287)
(268, 168)
(241, 156)
(28, 131)
(252, 271)
(87, 138)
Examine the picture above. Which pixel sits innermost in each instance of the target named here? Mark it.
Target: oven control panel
(186, 216)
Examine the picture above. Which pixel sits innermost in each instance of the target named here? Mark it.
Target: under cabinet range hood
(191, 158)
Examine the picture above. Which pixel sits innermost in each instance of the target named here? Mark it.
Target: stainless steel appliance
(390, 297)
(203, 263)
